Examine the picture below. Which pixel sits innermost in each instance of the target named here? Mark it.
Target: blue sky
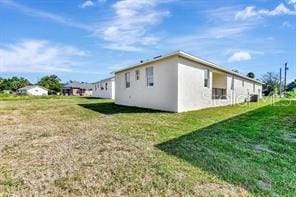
(86, 40)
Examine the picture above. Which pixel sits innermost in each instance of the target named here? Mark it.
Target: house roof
(33, 86)
(189, 57)
(104, 80)
(79, 85)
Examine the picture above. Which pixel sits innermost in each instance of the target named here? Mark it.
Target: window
(102, 87)
(232, 83)
(149, 76)
(219, 93)
(206, 78)
(243, 83)
(254, 87)
(137, 75)
(106, 86)
(127, 80)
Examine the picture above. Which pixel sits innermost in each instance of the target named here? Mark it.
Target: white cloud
(292, 2)
(86, 4)
(226, 31)
(129, 29)
(287, 24)
(46, 15)
(240, 56)
(38, 56)
(251, 12)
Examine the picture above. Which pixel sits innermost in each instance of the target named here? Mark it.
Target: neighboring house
(34, 90)
(104, 88)
(7, 91)
(77, 89)
(181, 82)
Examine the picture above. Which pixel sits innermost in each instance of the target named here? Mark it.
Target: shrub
(291, 94)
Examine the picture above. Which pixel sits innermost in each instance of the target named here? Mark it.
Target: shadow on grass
(109, 108)
(92, 98)
(251, 150)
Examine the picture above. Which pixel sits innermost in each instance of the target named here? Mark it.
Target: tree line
(270, 80)
(271, 83)
(51, 82)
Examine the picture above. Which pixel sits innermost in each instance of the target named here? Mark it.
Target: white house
(34, 90)
(180, 82)
(104, 88)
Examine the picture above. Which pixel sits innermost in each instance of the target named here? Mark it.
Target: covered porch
(219, 85)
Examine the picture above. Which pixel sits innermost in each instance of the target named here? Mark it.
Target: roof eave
(191, 57)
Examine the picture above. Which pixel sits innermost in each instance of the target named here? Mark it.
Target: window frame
(219, 93)
(232, 83)
(127, 79)
(206, 78)
(149, 84)
(137, 75)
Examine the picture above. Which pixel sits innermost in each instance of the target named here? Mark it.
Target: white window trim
(137, 75)
(147, 84)
(207, 77)
(127, 75)
(232, 83)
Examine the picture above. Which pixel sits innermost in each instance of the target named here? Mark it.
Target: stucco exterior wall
(179, 86)
(192, 95)
(162, 96)
(103, 93)
(36, 91)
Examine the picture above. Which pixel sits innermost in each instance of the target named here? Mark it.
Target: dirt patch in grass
(88, 147)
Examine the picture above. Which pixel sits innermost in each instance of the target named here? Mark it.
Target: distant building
(7, 91)
(77, 89)
(34, 90)
(104, 88)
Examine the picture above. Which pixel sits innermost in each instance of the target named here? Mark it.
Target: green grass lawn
(86, 146)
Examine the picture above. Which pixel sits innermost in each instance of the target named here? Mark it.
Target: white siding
(163, 95)
(103, 93)
(37, 91)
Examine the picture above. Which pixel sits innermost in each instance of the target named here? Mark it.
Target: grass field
(84, 146)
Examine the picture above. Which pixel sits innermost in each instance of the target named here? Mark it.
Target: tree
(291, 86)
(271, 83)
(251, 75)
(14, 83)
(1, 83)
(51, 82)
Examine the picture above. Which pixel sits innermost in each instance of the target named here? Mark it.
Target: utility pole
(285, 83)
(280, 82)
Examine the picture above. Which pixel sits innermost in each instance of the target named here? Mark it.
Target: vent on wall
(157, 57)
